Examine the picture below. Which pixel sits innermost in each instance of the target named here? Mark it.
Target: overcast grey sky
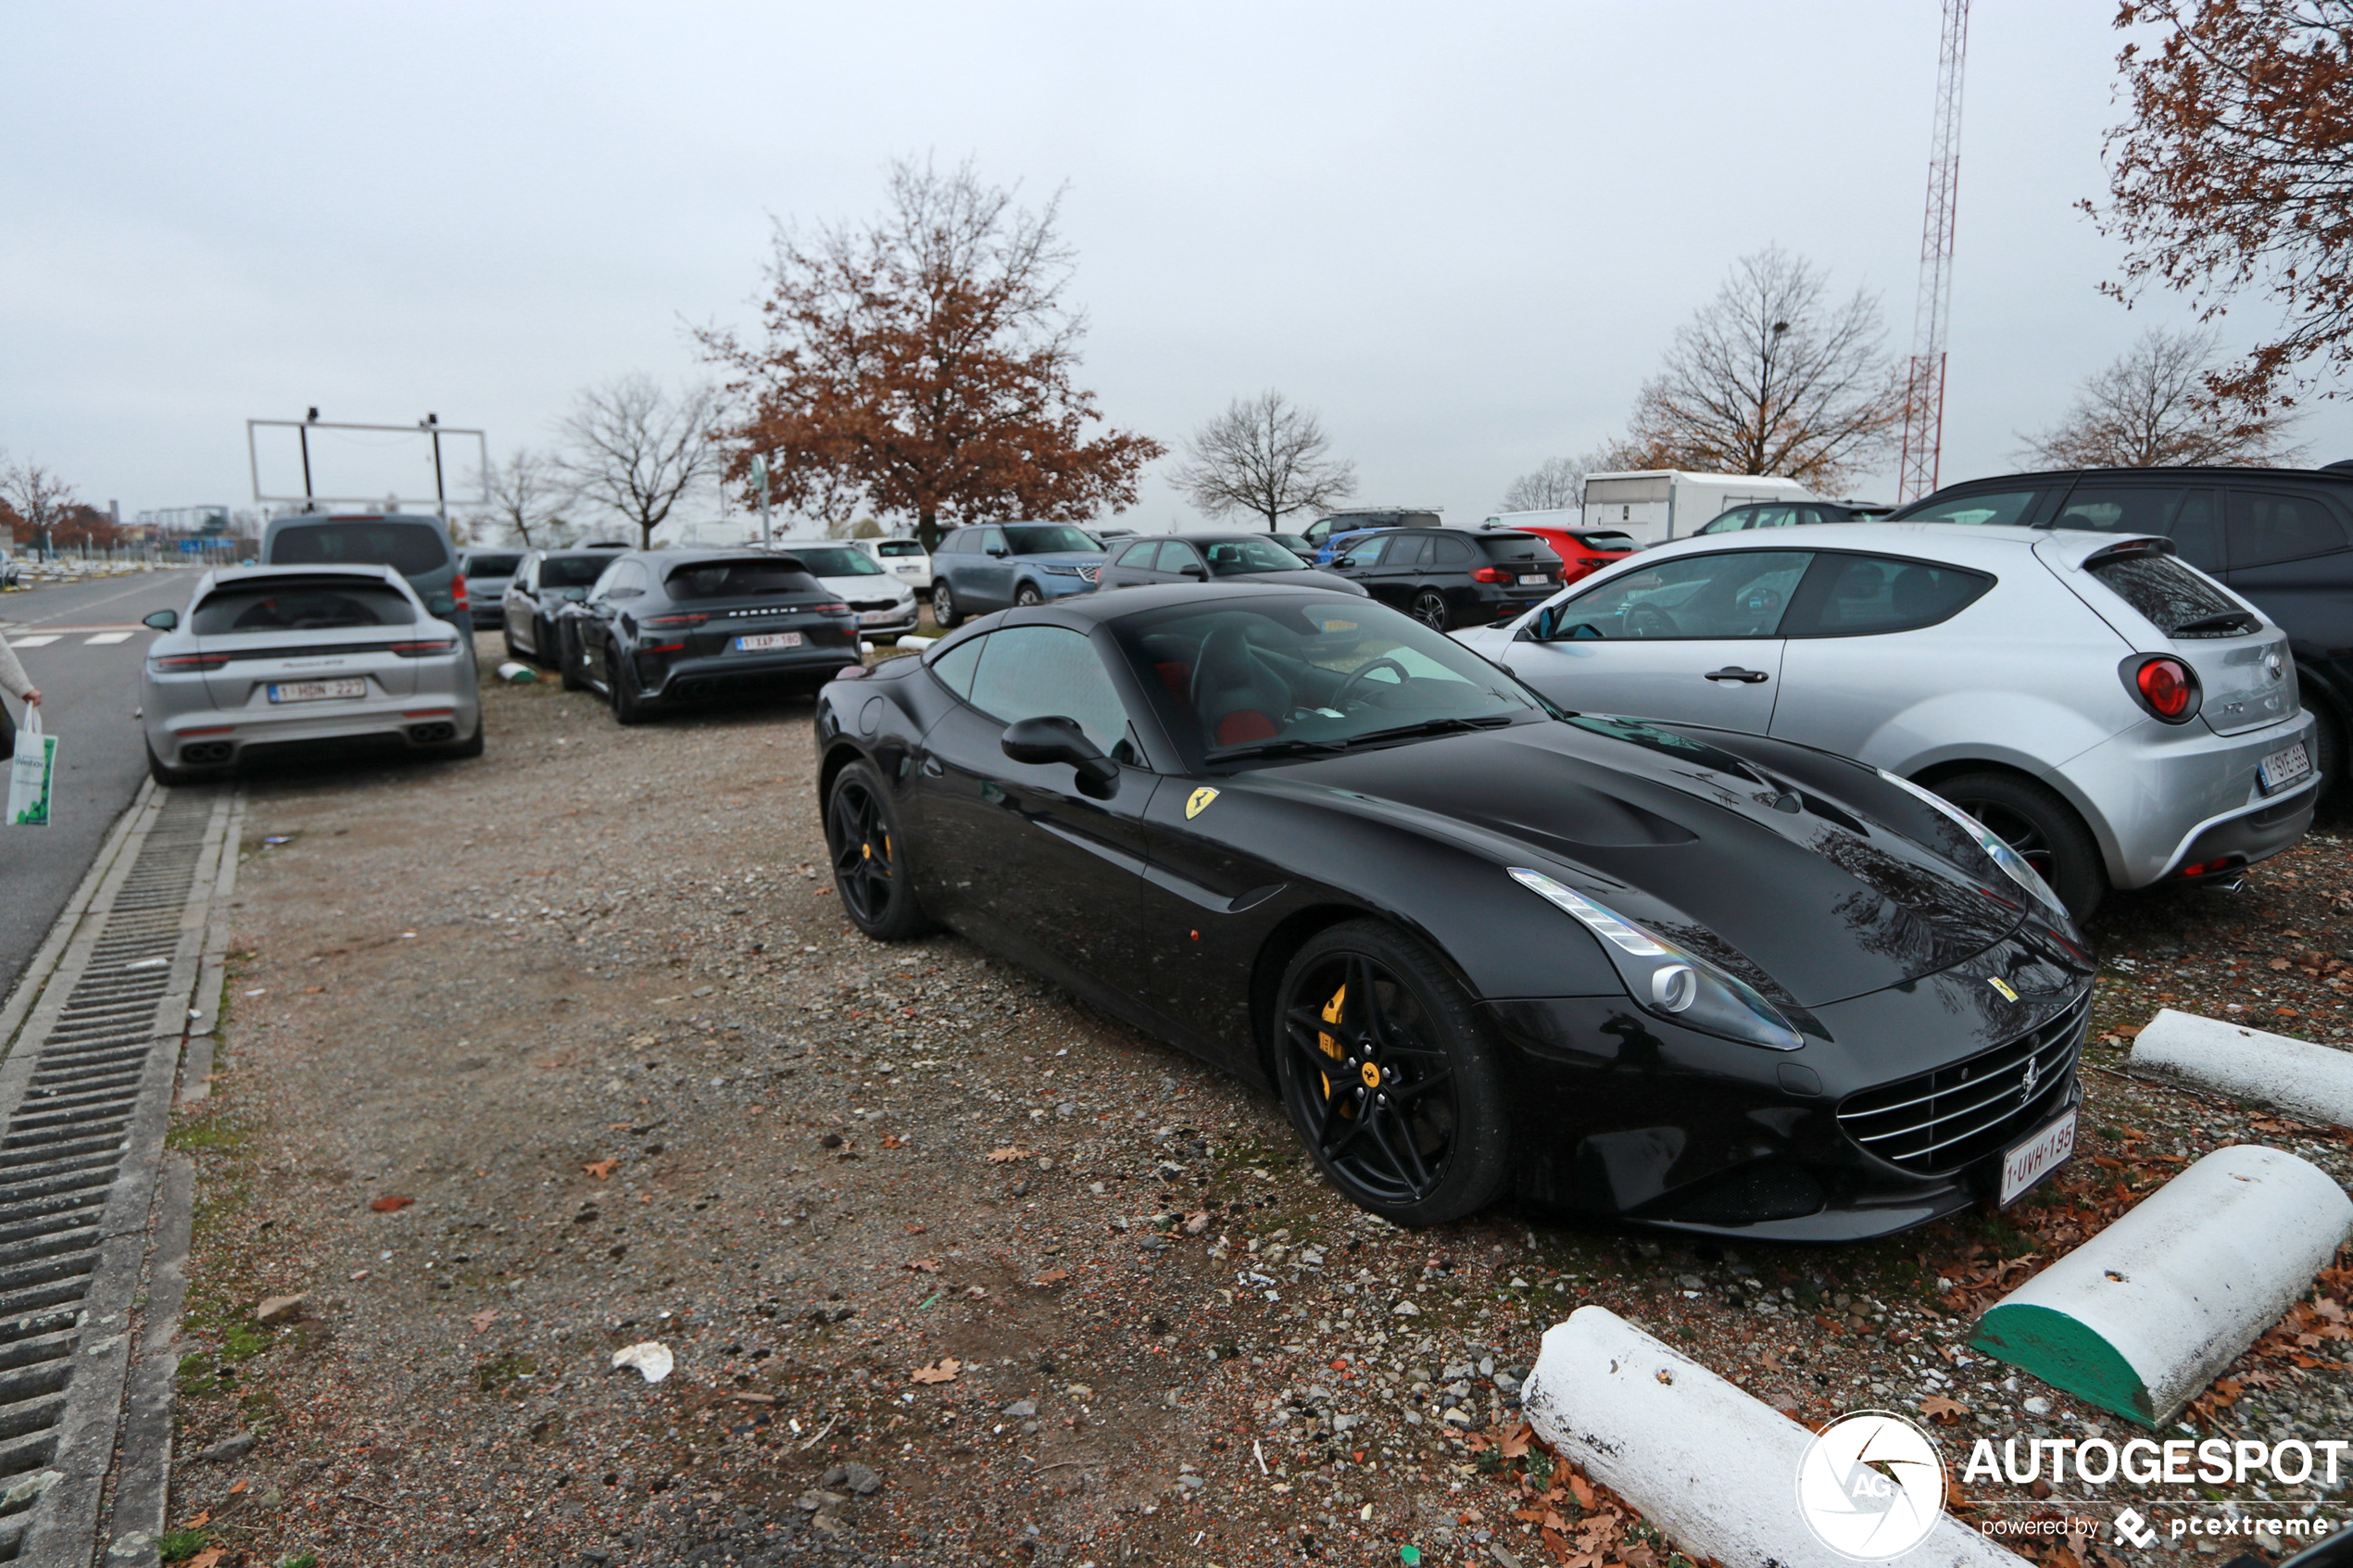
(1464, 233)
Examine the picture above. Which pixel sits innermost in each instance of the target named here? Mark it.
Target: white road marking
(42, 640)
(105, 638)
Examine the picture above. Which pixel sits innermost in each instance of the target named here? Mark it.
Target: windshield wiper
(1281, 748)
(1432, 727)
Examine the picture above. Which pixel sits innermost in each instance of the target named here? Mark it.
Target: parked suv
(2113, 715)
(987, 567)
(417, 548)
(1448, 577)
(2282, 538)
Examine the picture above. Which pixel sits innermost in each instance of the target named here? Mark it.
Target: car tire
(2328, 746)
(1442, 1155)
(1429, 608)
(164, 773)
(628, 708)
(1027, 596)
(567, 665)
(943, 607)
(879, 898)
(2035, 820)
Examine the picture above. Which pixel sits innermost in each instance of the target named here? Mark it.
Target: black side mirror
(162, 620)
(1193, 572)
(999, 551)
(1046, 741)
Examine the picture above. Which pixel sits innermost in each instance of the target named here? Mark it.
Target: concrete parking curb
(2288, 1075)
(1714, 1468)
(2142, 1317)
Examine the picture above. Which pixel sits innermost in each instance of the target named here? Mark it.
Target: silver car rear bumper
(2175, 796)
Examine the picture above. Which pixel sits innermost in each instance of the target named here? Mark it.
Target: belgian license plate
(1528, 579)
(317, 691)
(2029, 1162)
(2284, 767)
(766, 640)
(874, 617)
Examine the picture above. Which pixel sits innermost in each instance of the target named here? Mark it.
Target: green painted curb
(2065, 1354)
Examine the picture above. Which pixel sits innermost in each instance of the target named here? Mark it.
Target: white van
(1656, 505)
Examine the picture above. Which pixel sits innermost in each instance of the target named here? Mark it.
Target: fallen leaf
(389, 1202)
(916, 1230)
(200, 1521)
(206, 1558)
(1938, 1408)
(977, 1291)
(924, 1265)
(1197, 1222)
(1582, 1490)
(240, 1486)
(941, 1371)
(1515, 1445)
(892, 1140)
(312, 990)
(600, 1169)
(1053, 1277)
(484, 1318)
(1007, 1154)
(275, 1308)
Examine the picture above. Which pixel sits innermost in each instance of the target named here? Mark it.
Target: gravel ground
(532, 1059)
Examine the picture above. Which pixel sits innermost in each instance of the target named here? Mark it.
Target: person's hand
(32, 697)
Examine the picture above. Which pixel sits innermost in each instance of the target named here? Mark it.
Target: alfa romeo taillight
(2165, 685)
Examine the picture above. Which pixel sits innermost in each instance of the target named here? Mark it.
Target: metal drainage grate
(74, 1171)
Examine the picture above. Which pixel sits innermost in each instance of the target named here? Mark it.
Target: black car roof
(2216, 471)
(1156, 595)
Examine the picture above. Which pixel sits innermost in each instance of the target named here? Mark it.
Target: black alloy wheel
(1027, 594)
(1388, 1076)
(2034, 819)
(943, 607)
(620, 685)
(1429, 608)
(870, 872)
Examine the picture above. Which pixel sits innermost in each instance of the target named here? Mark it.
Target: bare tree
(1770, 378)
(1266, 455)
(40, 497)
(2154, 407)
(528, 495)
(636, 451)
(1552, 484)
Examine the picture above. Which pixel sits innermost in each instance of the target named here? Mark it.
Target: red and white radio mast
(1924, 406)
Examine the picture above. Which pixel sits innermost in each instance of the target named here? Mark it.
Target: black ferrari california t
(1479, 945)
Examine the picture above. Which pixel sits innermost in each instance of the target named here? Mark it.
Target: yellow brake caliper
(1328, 1045)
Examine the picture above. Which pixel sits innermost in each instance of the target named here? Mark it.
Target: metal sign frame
(437, 502)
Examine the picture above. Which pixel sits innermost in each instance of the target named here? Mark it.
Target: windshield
(573, 571)
(738, 579)
(834, 560)
(1598, 541)
(300, 607)
(409, 548)
(1045, 539)
(1294, 673)
(1228, 556)
(492, 565)
(900, 547)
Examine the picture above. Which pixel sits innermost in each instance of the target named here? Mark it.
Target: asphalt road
(82, 643)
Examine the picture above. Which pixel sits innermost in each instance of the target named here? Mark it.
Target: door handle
(1734, 672)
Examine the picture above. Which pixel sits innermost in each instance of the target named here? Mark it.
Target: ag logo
(1871, 1486)
(2002, 986)
(1199, 801)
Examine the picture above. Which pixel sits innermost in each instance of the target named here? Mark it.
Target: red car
(1583, 551)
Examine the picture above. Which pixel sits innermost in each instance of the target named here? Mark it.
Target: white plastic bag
(31, 772)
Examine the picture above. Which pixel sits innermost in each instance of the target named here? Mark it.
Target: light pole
(759, 483)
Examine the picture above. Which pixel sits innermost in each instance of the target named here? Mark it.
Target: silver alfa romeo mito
(2118, 716)
(304, 661)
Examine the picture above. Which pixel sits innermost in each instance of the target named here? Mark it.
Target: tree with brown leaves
(924, 361)
(1266, 455)
(2234, 175)
(1772, 378)
(2152, 409)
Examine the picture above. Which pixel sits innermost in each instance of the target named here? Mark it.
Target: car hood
(1802, 896)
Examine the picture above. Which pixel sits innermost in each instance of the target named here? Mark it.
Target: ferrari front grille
(1941, 1121)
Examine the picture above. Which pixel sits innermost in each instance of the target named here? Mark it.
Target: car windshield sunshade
(299, 606)
(738, 579)
(409, 548)
(2174, 598)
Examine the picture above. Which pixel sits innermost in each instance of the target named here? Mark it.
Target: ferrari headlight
(2013, 864)
(1667, 980)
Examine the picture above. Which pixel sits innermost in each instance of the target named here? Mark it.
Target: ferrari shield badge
(2002, 986)
(1199, 801)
